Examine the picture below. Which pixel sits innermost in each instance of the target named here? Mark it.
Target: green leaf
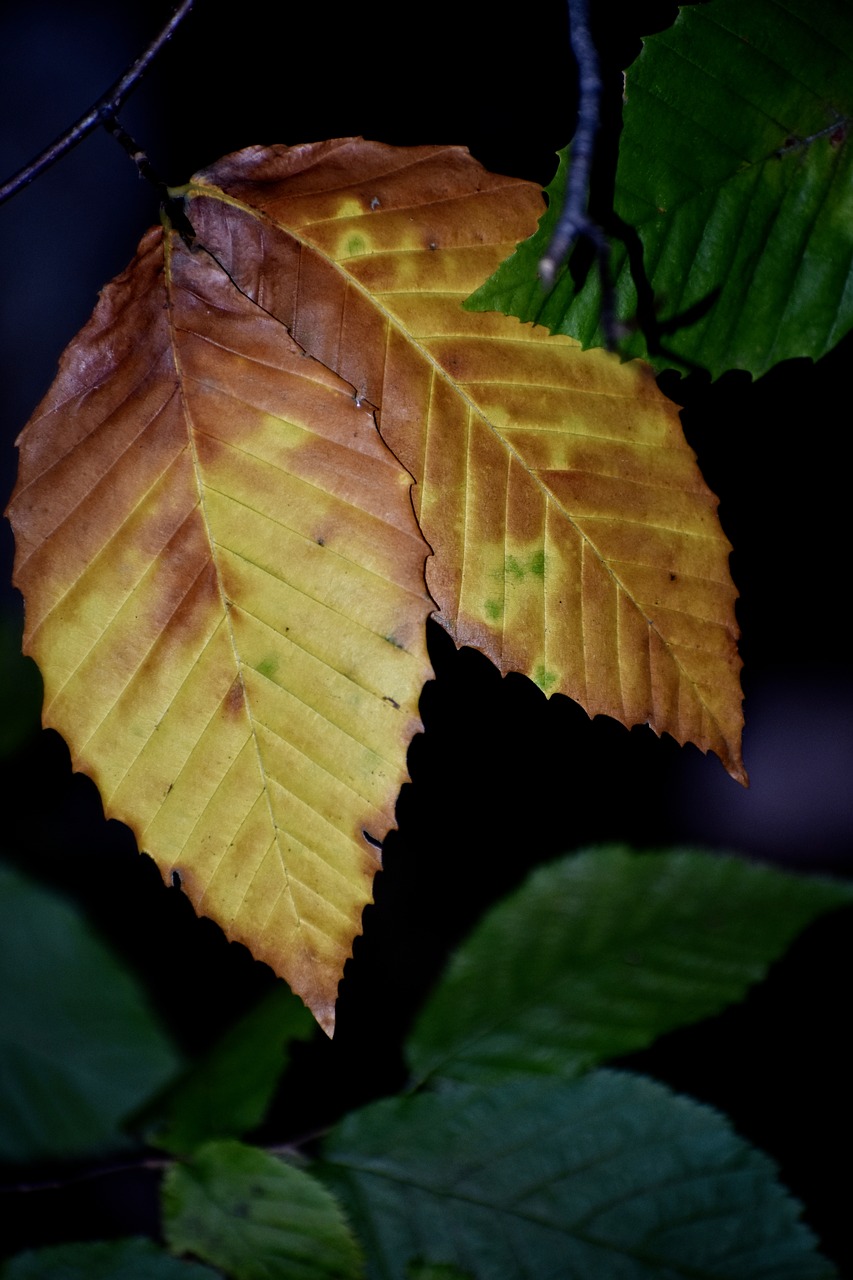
(227, 1093)
(103, 1260)
(736, 170)
(79, 1047)
(600, 952)
(610, 1176)
(256, 1217)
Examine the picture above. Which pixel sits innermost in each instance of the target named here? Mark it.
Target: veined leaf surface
(599, 953)
(609, 1176)
(257, 1217)
(224, 592)
(574, 539)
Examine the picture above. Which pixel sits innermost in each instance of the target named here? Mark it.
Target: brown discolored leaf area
(223, 576)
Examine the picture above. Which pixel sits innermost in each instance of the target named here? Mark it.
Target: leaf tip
(737, 770)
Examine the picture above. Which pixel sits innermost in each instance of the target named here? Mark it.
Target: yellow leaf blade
(573, 536)
(224, 591)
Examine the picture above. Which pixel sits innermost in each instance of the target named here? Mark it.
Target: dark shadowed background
(502, 778)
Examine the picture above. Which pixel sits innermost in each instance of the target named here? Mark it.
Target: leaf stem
(102, 112)
(136, 153)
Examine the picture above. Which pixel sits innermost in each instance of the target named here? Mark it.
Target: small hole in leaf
(377, 844)
(176, 879)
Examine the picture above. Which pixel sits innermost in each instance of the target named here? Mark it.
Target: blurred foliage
(513, 1147)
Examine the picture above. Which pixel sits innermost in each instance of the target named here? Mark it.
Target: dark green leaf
(736, 170)
(79, 1047)
(228, 1092)
(601, 952)
(609, 1176)
(103, 1260)
(256, 1217)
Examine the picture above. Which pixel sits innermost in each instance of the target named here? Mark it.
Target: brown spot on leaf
(235, 698)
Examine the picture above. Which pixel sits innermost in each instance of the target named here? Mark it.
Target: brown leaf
(573, 536)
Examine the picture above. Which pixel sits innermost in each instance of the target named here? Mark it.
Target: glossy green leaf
(609, 1176)
(257, 1218)
(600, 952)
(227, 1093)
(736, 172)
(79, 1047)
(132, 1259)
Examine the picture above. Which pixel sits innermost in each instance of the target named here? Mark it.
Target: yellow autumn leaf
(574, 538)
(224, 592)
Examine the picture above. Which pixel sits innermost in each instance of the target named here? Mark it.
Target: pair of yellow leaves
(226, 584)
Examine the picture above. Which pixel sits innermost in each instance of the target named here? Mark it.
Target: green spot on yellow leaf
(544, 678)
(494, 609)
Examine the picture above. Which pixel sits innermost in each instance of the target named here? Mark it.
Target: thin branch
(838, 127)
(574, 222)
(144, 1163)
(102, 111)
(156, 1163)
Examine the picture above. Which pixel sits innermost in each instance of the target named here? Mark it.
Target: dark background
(502, 778)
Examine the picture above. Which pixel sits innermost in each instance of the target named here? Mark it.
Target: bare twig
(155, 1163)
(142, 1164)
(574, 222)
(104, 109)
